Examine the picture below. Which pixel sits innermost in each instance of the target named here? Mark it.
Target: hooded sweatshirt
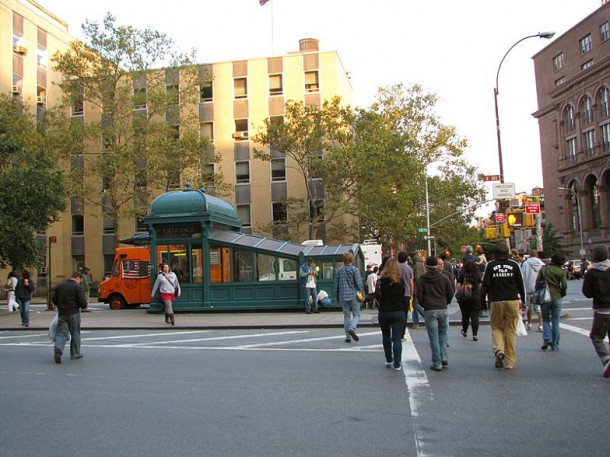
(434, 290)
(596, 285)
(529, 270)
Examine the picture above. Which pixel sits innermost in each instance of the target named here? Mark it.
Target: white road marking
(220, 338)
(144, 335)
(276, 343)
(579, 318)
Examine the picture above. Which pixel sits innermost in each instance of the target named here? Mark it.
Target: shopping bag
(521, 331)
(53, 327)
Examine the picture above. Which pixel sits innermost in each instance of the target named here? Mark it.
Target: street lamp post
(573, 192)
(546, 35)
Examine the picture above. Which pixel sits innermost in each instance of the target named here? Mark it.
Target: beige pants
(504, 319)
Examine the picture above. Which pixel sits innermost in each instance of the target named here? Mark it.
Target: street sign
(52, 239)
(422, 230)
(500, 218)
(503, 191)
(532, 208)
(491, 177)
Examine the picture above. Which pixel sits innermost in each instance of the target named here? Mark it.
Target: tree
(147, 131)
(551, 241)
(304, 137)
(32, 193)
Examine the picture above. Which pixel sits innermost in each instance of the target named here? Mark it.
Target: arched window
(586, 110)
(575, 206)
(596, 217)
(603, 101)
(569, 123)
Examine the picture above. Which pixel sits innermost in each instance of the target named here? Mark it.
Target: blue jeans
(24, 307)
(350, 307)
(418, 310)
(436, 325)
(392, 326)
(313, 293)
(550, 321)
(69, 324)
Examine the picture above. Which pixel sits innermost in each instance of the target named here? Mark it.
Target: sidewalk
(103, 318)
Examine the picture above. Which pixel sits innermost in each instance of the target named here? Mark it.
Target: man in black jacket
(69, 297)
(597, 286)
(504, 284)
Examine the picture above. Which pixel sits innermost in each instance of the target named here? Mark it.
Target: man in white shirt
(530, 269)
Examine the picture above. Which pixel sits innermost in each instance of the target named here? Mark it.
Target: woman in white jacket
(11, 283)
(169, 287)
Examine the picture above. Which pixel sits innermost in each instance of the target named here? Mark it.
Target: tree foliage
(32, 193)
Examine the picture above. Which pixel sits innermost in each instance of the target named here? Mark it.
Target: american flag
(131, 269)
(262, 2)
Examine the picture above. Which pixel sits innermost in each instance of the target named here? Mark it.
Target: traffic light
(505, 231)
(529, 221)
(514, 220)
(490, 233)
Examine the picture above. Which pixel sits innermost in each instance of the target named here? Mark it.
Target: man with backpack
(529, 270)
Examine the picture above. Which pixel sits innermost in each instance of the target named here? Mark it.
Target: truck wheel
(116, 302)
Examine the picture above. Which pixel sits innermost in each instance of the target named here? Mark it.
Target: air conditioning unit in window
(41, 100)
(240, 135)
(16, 89)
(20, 50)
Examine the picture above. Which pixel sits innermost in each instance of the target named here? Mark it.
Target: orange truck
(129, 283)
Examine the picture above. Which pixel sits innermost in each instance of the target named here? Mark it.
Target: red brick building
(573, 86)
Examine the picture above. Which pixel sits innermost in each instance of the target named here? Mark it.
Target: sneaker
(57, 356)
(444, 363)
(316, 311)
(307, 312)
(76, 357)
(348, 340)
(508, 367)
(540, 328)
(398, 368)
(475, 338)
(435, 368)
(464, 334)
(499, 359)
(389, 364)
(352, 332)
(606, 371)
(528, 326)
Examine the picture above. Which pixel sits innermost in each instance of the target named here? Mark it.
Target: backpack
(463, 292)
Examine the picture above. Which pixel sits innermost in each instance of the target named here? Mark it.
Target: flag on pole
(262, 2)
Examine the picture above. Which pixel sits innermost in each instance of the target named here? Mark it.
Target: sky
(452, 48)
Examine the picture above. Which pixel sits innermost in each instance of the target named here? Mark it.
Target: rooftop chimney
(311, 44)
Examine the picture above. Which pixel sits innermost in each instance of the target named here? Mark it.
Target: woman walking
(168, 286)
(470, 276)
(11, 283)
(392, 319)
(23, 292)
(556, 281)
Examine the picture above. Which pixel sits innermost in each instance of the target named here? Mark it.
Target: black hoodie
(434, 290)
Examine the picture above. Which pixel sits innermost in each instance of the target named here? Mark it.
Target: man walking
(596, 285)
(86, 283)
(308, 275)
(529, 270)
(69, 297)
(503, 283)
(348, 283)
(406, 276)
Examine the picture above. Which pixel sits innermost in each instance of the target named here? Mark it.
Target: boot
(171, 318)
(166, 318)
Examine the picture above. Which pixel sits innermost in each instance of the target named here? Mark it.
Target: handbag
(464, 292)
(542, 294)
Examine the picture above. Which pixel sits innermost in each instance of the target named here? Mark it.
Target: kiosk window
(242, 266)
(265, 267)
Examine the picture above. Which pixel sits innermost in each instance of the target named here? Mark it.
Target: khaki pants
(504, 319)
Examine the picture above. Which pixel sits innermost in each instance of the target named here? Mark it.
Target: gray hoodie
(530, 269)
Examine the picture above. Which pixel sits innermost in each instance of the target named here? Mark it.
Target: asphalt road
(300, 392)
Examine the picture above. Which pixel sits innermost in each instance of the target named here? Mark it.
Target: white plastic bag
(521, 331)
(53, 327)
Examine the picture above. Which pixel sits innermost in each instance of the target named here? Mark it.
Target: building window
(206, 92)
(78, 224)
(139, 98)
(280, 214)
(596, 217)
(242, 172)
(316, 210)
(571, 150)
(605, 128)
(586, 110)
(312, 83)
(587, 64)
(569, 123)
(78, 98)
(241, 129)
(605, 31)
(243, 211)
(173, 94)
(276, 86)
(240, 87)
(207, 130)
(140, 226)
(558, 62)
(586, 44)
(588, 142)
(560, 81)
(42, 56)
(603, 101)
(207, 174)
(278, 169)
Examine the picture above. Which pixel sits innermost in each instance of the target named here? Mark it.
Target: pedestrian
(529, 270)
(390, 294)
(555, 277)
(596, 285)
(309, 275)
(418, 269)
(11, 283)
(169, 287)
(470, 276)
(23, 293)
(86, 283)
(482, 258)
(371, 282)
(69, 298)
(434, 293)
(514, 255)
(406, 274)
(503, 283)
(348, 283)
(447, 266)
